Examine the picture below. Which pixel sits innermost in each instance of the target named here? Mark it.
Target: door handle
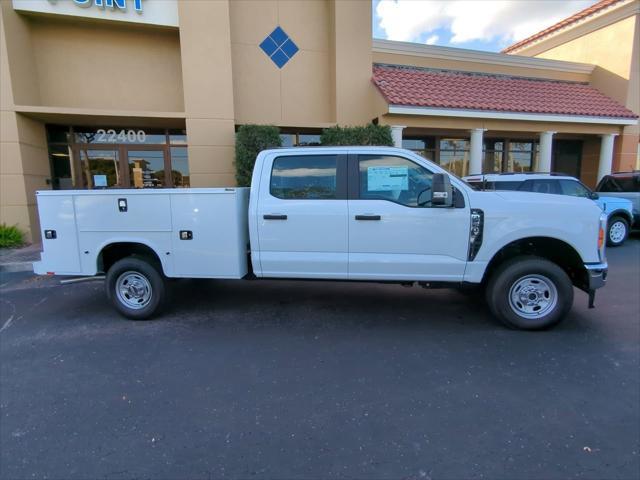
(368, 217)
(274, 217)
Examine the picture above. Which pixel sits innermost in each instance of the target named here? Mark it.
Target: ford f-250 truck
(372, 214)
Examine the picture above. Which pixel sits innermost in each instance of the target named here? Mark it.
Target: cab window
(310, 177)
(397, 179)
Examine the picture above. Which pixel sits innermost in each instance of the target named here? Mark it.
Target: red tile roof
(596, 7)
(420, 87)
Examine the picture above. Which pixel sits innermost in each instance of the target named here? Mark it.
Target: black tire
(616, 226)
(139, 277)
(521, 277)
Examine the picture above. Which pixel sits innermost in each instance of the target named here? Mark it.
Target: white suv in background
(619, 210)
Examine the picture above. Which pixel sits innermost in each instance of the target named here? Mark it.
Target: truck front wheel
(136, 288)
(617, 231)
(529, 293)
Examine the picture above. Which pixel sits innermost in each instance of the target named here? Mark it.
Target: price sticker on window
(381, 179)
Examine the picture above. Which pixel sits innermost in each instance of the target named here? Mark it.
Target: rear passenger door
(302, 217)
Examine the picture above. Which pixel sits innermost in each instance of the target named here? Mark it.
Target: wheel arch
(553, 249)
(621, 213)
(117, 250)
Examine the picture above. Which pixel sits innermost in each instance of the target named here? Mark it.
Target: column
(396, 134)
(606, 154)
(205, 46)
(475, 161)
(544, 162)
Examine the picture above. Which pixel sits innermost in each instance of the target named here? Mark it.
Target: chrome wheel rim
(617, 231)
(134, 290)
(533, 296)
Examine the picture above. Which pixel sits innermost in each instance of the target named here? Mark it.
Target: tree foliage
(251, 140)
(368, 135)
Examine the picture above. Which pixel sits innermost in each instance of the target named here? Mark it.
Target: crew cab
(374, 214)
(620, 212)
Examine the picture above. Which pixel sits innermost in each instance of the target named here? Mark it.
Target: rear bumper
(596, 275)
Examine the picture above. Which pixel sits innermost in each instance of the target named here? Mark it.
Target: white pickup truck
(371, 214)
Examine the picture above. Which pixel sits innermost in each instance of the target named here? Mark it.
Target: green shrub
(10, 236)
(250, 140)
(368, 135)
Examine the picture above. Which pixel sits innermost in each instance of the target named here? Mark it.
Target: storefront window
(454, 155)
(288, 139)
(64, 176)
(298, 139)
(180, 167)
(425, 146)
(523, 156)
(146, 169)
(493, 156)
(57, 134)
(117, 157)
(308, 140)
(178, 137)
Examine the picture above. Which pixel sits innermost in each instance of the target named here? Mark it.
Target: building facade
(149, 93)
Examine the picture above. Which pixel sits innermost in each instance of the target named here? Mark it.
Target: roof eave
(503, 115)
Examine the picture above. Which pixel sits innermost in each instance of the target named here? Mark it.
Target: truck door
(394, 232)
(302, 217)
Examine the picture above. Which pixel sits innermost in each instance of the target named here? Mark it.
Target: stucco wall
(97, 65)
(596, 47)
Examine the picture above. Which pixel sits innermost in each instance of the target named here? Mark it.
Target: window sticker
(387, 178)
(100, 180)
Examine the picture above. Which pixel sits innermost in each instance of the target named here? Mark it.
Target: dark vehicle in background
(623, 185)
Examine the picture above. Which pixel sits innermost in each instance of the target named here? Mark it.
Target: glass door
(147, 168)
(100, 168)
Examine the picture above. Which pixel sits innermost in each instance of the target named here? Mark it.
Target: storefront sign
(123, 136)
(152, 12)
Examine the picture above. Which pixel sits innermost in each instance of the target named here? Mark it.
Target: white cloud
(468, 20)
(432, 40)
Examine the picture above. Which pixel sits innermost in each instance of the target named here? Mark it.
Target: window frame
(341, 176)
(354, 178)
(122, 150)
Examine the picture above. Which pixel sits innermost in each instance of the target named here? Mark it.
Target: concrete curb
(16, 267)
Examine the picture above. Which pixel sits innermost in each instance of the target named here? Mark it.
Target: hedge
(250, 140)
(368, 135)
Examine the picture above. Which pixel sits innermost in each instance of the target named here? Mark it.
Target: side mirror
(441, 191)
(594, 196)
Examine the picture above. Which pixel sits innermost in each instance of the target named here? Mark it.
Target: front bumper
(596, 275)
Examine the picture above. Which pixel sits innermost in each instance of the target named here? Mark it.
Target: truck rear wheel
(136, 288)
(529, 293)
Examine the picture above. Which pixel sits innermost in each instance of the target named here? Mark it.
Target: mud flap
(592, 298)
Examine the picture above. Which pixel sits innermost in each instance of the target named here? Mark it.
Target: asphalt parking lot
(315, 380)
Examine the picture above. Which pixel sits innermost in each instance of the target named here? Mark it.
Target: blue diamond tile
(279, 36)
(268, 46)
(279, 58)
(289, 48)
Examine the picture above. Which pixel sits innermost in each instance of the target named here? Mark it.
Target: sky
(488, 25)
